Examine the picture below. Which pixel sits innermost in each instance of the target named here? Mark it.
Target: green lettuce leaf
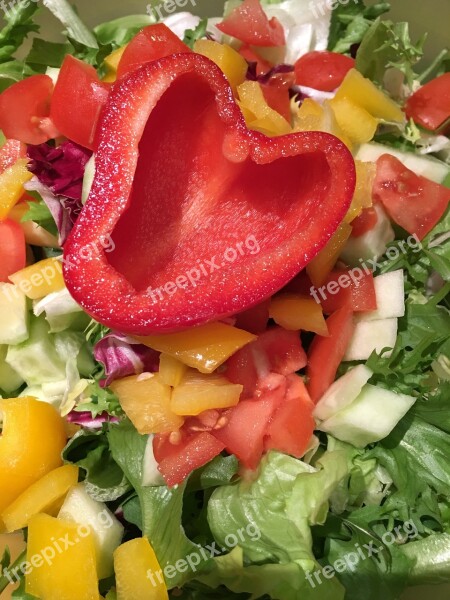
(75, 27)
(120, 31)
(350, 23)
(386, 45)
(19, 24)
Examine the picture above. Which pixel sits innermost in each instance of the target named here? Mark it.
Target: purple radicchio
(122, 356)
(85, 419)
(58, 179)
(252, 74)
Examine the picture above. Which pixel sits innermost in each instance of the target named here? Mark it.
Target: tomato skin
(10, 153)
(365, 222)
(249, 24)
(77, 101)
(292, 425)
(276, 93)
(359, 296)
(12, 249)
(276, 351)
(152, 43)
(412, 201)
(430, 105)
(322, 70)
(243, 435)
(262, 65)
(23, 106)
(326, 353)
(177, 461)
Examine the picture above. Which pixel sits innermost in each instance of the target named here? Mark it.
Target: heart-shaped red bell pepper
(206, 217)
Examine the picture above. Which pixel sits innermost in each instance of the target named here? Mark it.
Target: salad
(224, 305)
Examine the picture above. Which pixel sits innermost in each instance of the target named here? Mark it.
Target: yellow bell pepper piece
(364, 93)
(146, 402)
(41, 497)
(11, 185)
(204, 348)
(171, 370)
(61, 563)
(198, 392)
(323, 263)
(232, 64)
(40, 279)
(138, 573)
(365, 175)
(111, 63)
(265, 119)
(31, 443)
(355, 122)
(295, 313)
(311, 116)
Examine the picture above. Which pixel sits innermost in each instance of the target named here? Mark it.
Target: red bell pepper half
(207, 218)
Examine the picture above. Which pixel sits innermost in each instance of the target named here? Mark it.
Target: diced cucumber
(371, 336)
(370, 245)
(342, 392)
(10, 380)
(80, 508)
(88, 179)
(370, 418)
(150, 474)
(428, 167)
(13, 315)
(36, 359)
(390, 294)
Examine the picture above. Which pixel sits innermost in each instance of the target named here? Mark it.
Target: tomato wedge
(412, 201)
(365, 222)
(322, 70)
(430, 105)
(24, 106)
(326, 353)
(250, 24)
(77, 101)
(152, 43)
(356, 293)
(12, 249)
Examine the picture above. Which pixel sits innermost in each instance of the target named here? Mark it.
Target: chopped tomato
(326, 353)
(430, 105)
(152, 43)
(276, 93)
(250, 24)
(177, 461)
(354, 289)
(254, 319)
(412, 201)
(12, 249)
(262, 66)
(322, 70)
(292, 425)
(365, 222)
(10, 153)
(22, 108)
(243, 435)
(276, 351)
(77, 101)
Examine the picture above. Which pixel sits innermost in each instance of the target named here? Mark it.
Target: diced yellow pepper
(323, 263)
(364, 93)
(295, 312)
(198, 392)
(41, 497)
(266, 120)
(171, 370)
(355, 122)
(111, 63)
(232, 64)
(40, 279)
(146, 402)
(204, 348)
(138, 573)
(365, 175)
(61, 563)
(31, 443)
(310, 116)
(11, 185)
